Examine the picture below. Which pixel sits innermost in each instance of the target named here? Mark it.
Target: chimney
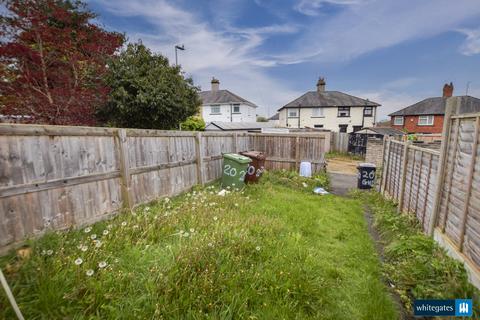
(215, 84)
(448, 90)
(321, 85)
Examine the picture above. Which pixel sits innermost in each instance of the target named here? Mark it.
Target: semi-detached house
(225, 106)
(330, 110)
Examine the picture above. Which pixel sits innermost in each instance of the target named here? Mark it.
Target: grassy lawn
(273, 251)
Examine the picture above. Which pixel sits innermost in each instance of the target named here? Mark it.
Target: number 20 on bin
(232, 172)
(367, 177)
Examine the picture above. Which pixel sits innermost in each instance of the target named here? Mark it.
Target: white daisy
(98, 243)
(78, 261)
(186, 234)
(87, 229)
(257, 248)
(124, 223)
(89, 272)
(93, 236)
(210, 244)
(84, 248)
(109, 227)
(102, 264)
(105, 232)
(49, 252)
(215, 218)
(192, 230)
(44, 252)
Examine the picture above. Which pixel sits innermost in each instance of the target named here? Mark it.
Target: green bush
(193, 123)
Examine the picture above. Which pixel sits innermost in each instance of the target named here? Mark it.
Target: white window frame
(214, 108)
(318, 113)
(292, 110)
(235, 106)
(398, 120)
(429, 120)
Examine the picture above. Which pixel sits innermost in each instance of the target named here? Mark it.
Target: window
(318, 125)
(292, 113)
(236, 108)
(357, 128)
(398, 121)
(343, 127)
(215, 109)
(343, 112)
(317, 112)
(425, 120)
(368, 112)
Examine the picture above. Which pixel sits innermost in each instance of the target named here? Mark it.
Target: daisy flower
(192, 230)
(89, 272)
(215, 218)
(124, 223)
(87, 229)
(257, 248)
(84, 248)
(93, 236)
(78, 261)
(98, 243)
(49, 252)
(105, 232)
(102, 264)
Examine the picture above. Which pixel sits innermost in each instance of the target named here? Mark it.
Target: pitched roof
(221, 97)
(276, 116)
(434, 106)
(328, 99)
(382, 130)
(239, 125)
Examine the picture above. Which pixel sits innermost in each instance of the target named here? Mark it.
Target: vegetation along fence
(442, 188)
(54, 177)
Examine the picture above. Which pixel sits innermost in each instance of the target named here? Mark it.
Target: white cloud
(471, 46)
(312, 7)
(372, 25)
(228, 53)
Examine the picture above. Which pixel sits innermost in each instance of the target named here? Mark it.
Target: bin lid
(237, 157)
(366, 165)
(254, 154)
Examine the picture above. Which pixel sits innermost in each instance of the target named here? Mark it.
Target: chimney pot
(321, 85)
(448, 90)
(215, 84)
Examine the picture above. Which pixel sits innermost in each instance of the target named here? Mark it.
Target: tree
(193, 123)
(52, 61)
(261, 119)
(146, 92)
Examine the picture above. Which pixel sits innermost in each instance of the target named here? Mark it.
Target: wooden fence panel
(54, 177)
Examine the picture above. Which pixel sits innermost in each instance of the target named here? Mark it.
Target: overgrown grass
(343, 155)
(272, 251)
(416, 266)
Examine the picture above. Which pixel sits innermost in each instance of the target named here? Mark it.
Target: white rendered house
(330, 110)
(225, 106)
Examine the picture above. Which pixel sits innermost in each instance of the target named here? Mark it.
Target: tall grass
(272, 251)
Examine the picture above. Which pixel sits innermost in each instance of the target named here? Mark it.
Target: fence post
(384, 143)
(199, 158)
(387, 164)
(404, 176)
(297, 152)
(235, 142)
(471, 170)
(124, 169)
(451, 107)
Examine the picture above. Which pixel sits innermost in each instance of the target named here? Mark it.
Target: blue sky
(271, 51)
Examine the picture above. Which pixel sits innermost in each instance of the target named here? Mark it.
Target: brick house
(427, 115)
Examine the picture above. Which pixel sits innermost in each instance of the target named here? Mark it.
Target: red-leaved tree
(52, 61)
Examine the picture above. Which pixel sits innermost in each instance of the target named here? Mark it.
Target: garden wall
(55, 177)
(442, 187)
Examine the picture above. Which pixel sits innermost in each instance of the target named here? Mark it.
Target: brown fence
(339, 141)
(54, 177)
(442, 188)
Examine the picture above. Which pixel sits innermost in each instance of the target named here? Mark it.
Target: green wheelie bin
(235, 168)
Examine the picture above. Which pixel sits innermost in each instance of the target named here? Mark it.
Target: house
(225, 106)
(237, 126)
(331, 110)
(275, 119)
(427, 115)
